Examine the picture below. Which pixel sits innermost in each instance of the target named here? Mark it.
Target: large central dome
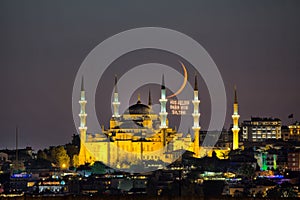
(138, 108)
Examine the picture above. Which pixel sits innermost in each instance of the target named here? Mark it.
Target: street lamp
(63, 166)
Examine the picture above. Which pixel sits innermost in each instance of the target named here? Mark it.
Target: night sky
(255, 44)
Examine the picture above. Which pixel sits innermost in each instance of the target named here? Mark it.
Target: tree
(246, 171)
(273, 193)
(75, 161)
(98, 168)
(283, 190)
(72, 150)
(287, 190)
(224, 155)
(238, 193)
(76, 140)
(41, 155)
(60, 157)
(259, 194)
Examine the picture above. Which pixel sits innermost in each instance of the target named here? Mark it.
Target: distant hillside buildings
(259, 129)
(294, 132)
(294, 160)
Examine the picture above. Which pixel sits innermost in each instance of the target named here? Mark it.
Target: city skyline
(258, 51)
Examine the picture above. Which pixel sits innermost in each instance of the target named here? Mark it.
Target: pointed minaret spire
(235, 118)
(82, 84)
(149, 99)
(116, 102)
(196, 84)
(116, 81)
(163, 83)
(235, 95)
(139, 98)
(196, 115)
(163, 109)
(82, 128)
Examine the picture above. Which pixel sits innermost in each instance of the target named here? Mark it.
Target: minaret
(196, 128)
(163, 111)
(139, 98)
(149, 100)
(163, 101)
(235, 118)
(82, 127)
(116, 102)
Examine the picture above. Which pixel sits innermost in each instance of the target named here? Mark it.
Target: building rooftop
(138, 108)
(264, 119)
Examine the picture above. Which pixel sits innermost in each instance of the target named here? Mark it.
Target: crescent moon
(183, 84)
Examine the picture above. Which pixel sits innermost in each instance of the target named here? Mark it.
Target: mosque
(140, 135)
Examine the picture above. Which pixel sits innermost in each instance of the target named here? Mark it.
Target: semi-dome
(138, 108)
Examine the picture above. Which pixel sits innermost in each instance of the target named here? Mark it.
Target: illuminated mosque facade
(140, 135)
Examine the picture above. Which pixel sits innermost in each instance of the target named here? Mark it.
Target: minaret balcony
(196, 114)
(82, 115)
(163, 100)
(163, 113)
(235, 129)
(163, 126)
(196, 127)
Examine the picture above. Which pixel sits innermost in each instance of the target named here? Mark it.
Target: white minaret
(163, 101)
(116, 102)
(196, 128)
(82, 114)
(82, 127)
(149, 100)
(235, 118)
